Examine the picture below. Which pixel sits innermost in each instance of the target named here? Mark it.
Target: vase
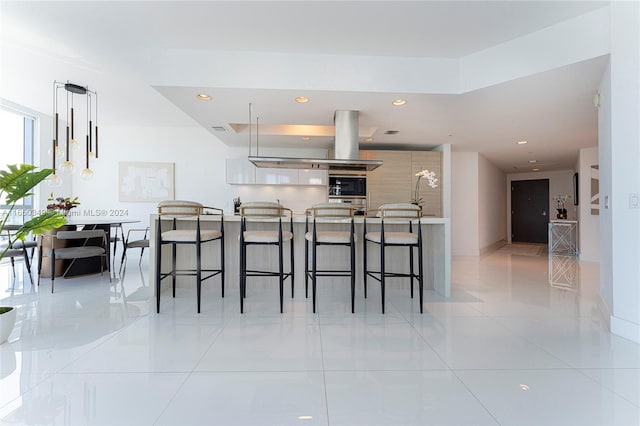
(562, 214)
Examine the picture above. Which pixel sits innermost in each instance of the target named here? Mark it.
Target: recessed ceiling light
(536, 169)
(368, 139)
(524, 387)
(398, 102)
(305, 138)
(533, 161)
(203, 97)
(302, 99)
(305, 417)
(521, 142)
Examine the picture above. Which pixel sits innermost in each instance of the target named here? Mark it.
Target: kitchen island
(436, 235)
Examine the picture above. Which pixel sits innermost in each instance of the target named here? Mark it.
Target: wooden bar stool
(177, 209)
(266, 213)
(340, 216)
(395, 213)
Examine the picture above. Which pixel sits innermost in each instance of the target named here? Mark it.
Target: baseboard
(626, 329)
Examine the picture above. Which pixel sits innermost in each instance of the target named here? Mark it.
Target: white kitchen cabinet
(267, 176)
(312, 177)
(240, 171)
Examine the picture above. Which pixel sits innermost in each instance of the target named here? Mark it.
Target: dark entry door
(529, 210)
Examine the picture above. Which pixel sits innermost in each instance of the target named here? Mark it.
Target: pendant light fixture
(57, 152)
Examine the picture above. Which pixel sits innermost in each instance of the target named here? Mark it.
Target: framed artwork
(576, 189)
(144, 182)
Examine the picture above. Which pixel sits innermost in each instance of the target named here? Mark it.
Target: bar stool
(395, 213)
(337, 214)
(174, 210)
(265, 212)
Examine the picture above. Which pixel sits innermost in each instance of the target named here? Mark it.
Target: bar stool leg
(353, 272)
(420, 267)
(173, 267)
(281, 271)
(382, 274)
(314, 274)
(364, 265)
(222, 268)
(198, 273)
(306, 267)
(292, 267)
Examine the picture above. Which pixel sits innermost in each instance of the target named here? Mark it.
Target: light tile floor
(508, 348)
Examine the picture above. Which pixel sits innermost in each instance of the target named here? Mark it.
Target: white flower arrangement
(432, 182)
(560, 200)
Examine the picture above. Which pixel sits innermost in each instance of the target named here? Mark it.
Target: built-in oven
(349, 189)
(347, 186)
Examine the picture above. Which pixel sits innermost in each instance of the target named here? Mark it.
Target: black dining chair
(82, 248)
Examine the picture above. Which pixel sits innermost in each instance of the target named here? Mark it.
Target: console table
(563, 237)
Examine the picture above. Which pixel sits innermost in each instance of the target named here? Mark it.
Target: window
(16, 140)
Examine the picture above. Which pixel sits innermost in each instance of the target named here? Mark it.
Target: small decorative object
(62, 204)
(236, 205)
(560, 200)
(7, 321)
(431, 177)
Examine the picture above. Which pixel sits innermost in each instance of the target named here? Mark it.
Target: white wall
(560, 183)
(492, 203)
(588, 224)
(464, 204)
(623, 220)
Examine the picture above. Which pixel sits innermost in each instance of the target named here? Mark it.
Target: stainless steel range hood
(346, 149)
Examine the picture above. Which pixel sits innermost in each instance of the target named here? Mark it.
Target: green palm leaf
(18, 180)
(39, 224)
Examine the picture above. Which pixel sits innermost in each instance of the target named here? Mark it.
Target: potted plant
(62, 204)
(7, 321)
(431, 177)
(16, 183)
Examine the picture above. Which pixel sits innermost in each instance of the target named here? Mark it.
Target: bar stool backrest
(400, 211)
(332, 211)
(263, 210)
(176, 208)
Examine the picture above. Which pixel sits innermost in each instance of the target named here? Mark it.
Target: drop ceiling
(553, 109)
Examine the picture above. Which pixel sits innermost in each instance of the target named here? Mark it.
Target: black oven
(347, 186)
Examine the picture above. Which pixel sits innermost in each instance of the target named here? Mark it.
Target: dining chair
(269, 215)
(18, 249)
(184, 212)
(395, 214)
(337, 217)
(83, 248)
(141, 243)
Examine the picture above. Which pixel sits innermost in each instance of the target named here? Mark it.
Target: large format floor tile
(507, 348)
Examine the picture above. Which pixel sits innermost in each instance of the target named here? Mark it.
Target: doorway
(530, 211)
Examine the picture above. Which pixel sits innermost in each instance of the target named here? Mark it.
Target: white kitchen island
(436, 234)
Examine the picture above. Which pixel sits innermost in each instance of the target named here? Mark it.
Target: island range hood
(346, 149)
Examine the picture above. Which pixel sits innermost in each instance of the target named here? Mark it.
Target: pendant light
(57, 152)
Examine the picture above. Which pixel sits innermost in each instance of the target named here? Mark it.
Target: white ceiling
(554, 108)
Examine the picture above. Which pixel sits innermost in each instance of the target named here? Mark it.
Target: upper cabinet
(268, 176)
(312, 177)
(242, 172)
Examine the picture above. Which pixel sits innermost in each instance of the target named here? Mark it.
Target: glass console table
(563, 237)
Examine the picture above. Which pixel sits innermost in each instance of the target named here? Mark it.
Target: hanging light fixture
(71, 144)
